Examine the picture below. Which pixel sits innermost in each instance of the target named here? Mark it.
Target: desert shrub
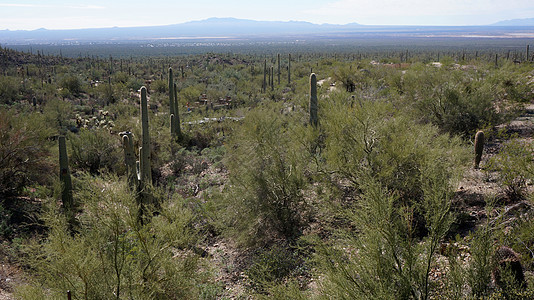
(266, 166)
(456, 102)
(371, 138)
(57, 114)
(10, 89)
(112, 255)
(514, 167)
(386, 259)
(403, 176)
(23, 152)
(160, 86)
(71, 83)
(95, 150)
(271, 266)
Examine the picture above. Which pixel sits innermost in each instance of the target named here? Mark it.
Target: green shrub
(403, 176)
(95, 150)
(24, 154)
(514, 167)
(266, 164)
(10, 89)
(458, 102)
(385, 259)
(71, 83)
(112, 255)
(271, 267)
(372, 139)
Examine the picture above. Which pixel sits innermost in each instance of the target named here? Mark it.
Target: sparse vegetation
(356, 182)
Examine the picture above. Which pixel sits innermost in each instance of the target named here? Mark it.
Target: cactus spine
(64, 176)
(313, 100)
(479, 147)
(144, 151)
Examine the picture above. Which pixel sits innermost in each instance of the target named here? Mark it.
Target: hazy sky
(61, 14)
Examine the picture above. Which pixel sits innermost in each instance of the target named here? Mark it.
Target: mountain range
(231, 28)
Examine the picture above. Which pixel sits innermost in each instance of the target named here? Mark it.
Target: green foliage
(72, 84)
(113, 256)
(159, 86)
(10, 89)
(272, 266)
(57, 114)
(372, 139)
(514, 167)
(404, 175)
(457, 103)
(24, 152)
(266, 164)
(386, 259)
(94, 151)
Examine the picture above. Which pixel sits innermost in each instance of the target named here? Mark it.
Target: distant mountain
(515, 22)
(213, 27)
(239, 29)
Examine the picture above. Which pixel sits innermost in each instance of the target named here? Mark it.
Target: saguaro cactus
(289, 70)
(129, 158)
(177, 129)
(172, 111)
(144, 150)
(479, 147)
(278, 58)
(264, 87)
(313, 100)
(64, 175)
(272, 78)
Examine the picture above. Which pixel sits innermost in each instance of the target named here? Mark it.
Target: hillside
(384, 174)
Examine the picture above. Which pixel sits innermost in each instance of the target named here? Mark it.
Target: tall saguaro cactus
(144, 150)
(172, 110)
(177, 129)
(129, 158)
(264, 87)
(313, 100)
(289, 70)
(278, 58)
(64, 176)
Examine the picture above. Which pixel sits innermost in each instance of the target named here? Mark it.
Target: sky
(61, 14)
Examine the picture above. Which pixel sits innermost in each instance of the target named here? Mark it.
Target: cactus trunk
(64, 176)
(313, 100)
(479, 147)
(177, 130)
(129, 158)
(144, 151)
(172, 110)
(264, 87)
(278, 68)
(289, 70)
